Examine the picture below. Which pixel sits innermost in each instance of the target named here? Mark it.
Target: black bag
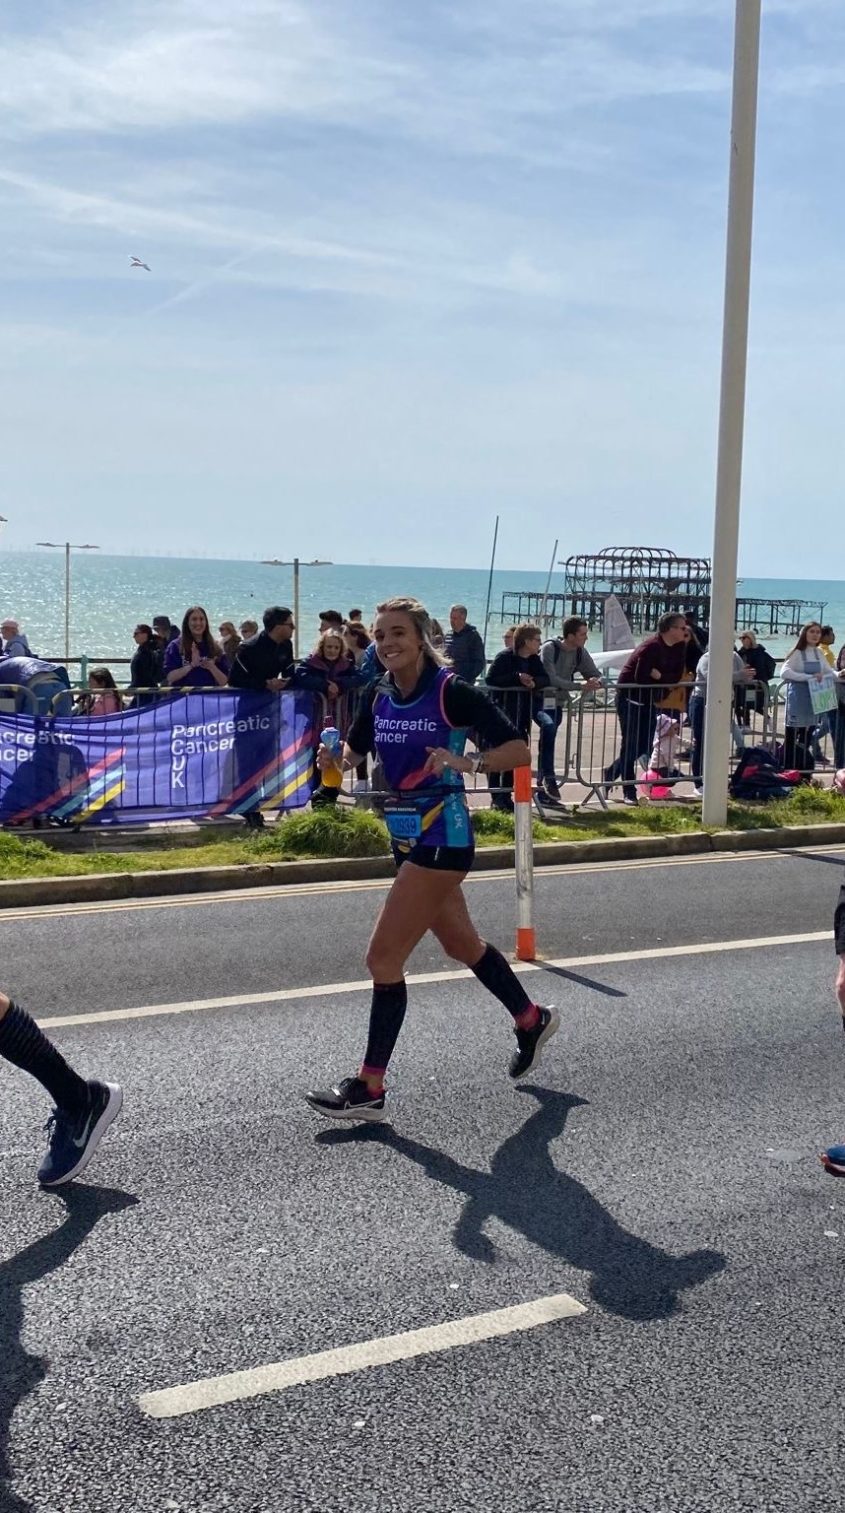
(759, 776)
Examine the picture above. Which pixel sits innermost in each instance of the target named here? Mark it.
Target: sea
(110, 594)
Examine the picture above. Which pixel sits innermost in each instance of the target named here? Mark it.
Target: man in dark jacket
(520, 675)
(464, 646)
(264, 663)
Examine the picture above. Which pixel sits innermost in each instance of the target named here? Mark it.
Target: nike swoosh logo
(83, 1139)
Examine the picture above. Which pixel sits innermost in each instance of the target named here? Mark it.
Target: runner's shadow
(20, 1372)
(525, 1190)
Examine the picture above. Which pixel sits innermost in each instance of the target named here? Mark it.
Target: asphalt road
(662, 1170)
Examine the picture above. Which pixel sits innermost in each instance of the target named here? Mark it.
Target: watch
(476, 762)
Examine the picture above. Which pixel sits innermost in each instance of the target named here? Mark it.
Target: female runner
(417, 725)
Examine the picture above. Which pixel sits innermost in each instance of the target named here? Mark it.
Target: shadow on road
(582, 982)
(526, 1191)
(20, 1372)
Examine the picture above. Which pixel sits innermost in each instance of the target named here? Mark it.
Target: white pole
(731, 412)
(296, 606)
(67, 604)
(548, 586)
(490, 580)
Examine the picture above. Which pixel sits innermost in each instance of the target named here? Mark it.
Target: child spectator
(330, 670)
(102, 696)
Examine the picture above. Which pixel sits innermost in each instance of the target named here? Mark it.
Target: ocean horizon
(110, 594)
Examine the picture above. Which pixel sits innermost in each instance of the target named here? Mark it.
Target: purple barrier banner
(194, 756)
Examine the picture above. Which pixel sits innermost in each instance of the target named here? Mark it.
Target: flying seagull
(135, 262)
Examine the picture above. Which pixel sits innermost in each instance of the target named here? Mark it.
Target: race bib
(403, 821)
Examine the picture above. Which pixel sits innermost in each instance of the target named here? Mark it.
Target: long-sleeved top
(702, 672)
(562, 662)
(258, 659)
(145, 671)
(517, 701)
(17, 646)
(199, 677)
(801, 669)
(654, 655)
(465, 650)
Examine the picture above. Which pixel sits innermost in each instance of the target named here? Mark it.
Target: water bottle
(331, 777)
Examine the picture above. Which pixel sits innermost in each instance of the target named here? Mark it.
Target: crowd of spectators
(661, 689)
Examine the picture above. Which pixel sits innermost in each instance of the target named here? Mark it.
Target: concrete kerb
(17, 893)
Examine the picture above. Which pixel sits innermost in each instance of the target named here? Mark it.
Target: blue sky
(413, 264)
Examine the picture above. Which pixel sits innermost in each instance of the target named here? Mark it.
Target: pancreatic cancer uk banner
(193, 756)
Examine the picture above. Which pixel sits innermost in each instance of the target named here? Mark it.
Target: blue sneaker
(72, 1140)
(833, 1160)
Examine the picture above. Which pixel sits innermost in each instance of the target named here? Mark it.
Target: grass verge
(352, 832)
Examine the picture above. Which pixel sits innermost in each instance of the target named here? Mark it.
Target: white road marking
(282, 891)
(212, 1391)
(363, 985)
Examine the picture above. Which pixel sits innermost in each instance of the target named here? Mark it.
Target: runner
(84, 1110)
(833, 1159)
(417, 725)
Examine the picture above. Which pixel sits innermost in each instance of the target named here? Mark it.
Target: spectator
(355, 617)
(145, 672)
(329, 670)
(15, 643)
(164, 631)
(356, 640)
(264, 662)
(839, 723)
(330, 619)
(195, 658)
(697, 707)
(829, 719)
(763, 667)
(695, 645)
(248, 628)
(806, 667)
(564, 657)
(508, 636)
(464, 646)
(438, 638)
(229, 640)
(102, 697)
(658, 663)
(520, 674)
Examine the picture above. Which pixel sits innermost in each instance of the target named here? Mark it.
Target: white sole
(349, 1115)
(106, 1119)
(551, 1029)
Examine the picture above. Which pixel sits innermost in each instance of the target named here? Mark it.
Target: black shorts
(839, 923)
(437, 858)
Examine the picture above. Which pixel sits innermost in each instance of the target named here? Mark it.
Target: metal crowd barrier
(586, 752)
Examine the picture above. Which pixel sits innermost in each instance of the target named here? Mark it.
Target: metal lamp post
(731, 411)
(68, 547)
(295, 563)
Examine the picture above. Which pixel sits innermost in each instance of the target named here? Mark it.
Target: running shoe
(530, 1043)
(350, 1099)
(833, 1160)
(548, 791)
(73, 1139)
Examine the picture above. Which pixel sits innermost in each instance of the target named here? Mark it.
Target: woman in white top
(805, 667)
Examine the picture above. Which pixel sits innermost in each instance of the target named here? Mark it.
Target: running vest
(430, 810)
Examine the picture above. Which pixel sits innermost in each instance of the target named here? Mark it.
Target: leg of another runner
(84, 1110)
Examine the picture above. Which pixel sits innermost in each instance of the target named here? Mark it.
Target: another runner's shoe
(351, 1099)
(530, 1043)
(72, 1141)
(833, 1160)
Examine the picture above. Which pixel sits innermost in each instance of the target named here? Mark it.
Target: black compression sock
(390, 1000)
(499, 979)
(26, 1046)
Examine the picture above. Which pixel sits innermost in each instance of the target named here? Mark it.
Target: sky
(412, 265)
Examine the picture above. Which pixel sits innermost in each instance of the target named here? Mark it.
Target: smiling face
(197, 624)
(399, 644)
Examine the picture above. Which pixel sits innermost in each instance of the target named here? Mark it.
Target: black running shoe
(530, 1043)
(71, 1142)
(350, 1099)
